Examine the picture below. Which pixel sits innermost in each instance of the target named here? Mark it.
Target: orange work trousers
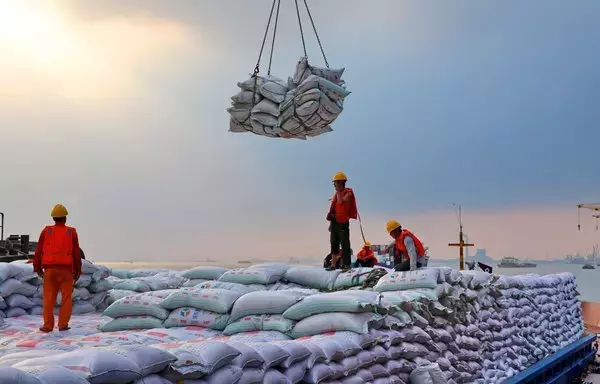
(57, 279)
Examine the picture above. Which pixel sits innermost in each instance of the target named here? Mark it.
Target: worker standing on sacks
(58, 262)
(342, 209)
(409, 253)
(365, 257)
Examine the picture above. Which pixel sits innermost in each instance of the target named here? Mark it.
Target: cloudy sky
(117, 110)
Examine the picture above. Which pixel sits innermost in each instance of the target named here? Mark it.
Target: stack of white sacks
(303, 106)
(21, 290)
(274, 323)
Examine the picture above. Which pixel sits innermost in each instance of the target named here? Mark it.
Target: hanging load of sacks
(302, 106)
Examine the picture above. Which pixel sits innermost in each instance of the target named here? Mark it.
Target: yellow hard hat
(59, 210)
(340, 176)
(392, 225)
(367, 243)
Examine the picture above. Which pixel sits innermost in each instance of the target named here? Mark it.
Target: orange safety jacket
(401, 248)
(58, 247)
(343, 211)
(366, 255)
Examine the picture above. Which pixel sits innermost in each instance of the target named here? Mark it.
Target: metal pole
(2, 226)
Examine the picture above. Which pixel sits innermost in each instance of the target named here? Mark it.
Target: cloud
(483, 104)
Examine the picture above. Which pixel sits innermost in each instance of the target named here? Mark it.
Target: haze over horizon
(117, 110)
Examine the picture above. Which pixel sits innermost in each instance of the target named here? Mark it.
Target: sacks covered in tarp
(303, 106)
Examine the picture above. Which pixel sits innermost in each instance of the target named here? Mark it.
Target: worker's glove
(330, 216)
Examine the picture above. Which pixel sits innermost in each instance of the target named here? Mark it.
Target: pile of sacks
(276, 323)
(21, 290)
(476, 327)
(303, 106)
(535, 316)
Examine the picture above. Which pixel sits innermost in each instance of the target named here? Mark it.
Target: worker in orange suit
(342, 209)
(58, 262)
(365, 257)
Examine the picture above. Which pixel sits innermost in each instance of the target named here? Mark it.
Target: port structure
(461, 242)
(593, 207)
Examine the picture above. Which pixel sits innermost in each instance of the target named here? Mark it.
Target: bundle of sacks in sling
(434, 325)
(303, 106)
(21, 290)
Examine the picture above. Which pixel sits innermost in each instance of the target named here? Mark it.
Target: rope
(262, 46)
(361, 228)
(274, 34)
(373, 277)
(316, 34)
(301, 32)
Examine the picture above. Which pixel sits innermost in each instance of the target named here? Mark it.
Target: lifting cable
(314, 29)
(312, 22)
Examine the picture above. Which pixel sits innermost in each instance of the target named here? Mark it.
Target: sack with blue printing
(352, 278)
(138, 305)
(187, 316)
(214, 300)
(399, 281)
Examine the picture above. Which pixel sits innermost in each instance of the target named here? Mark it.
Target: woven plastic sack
(273, 376)
(132, 322)
(317, 355)
(259, 323)
(478, 279)
(241, 288)
(97, 366)
(272, 354)
(83, 281)
(15, 312)
(204, 272)
(398, 281)
(194, 282)
(214, 300)
(136, 285)
(336, 321)
(333, 91)
(329, 302)
(251, 276)
(137, 306)
(296, 372)
(186, 316)
(352, 278)
(248, 357)
(40, 375)
(11, 286)
(153, 379)
(265, 303)
(149, 360)
(343, 346)
(8, 270)
(18, 300)
(427, 374)
(313, 277)
(318, 373)
(202, 357)
(87, 267)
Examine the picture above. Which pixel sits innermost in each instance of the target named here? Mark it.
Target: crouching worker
(365, 257)
(58, 262)
(409, 253)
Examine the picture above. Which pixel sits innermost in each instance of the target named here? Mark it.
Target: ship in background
(512, 262)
